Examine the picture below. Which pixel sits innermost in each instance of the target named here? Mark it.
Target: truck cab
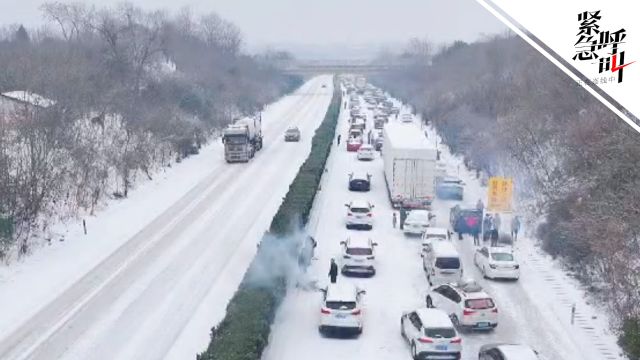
(242, 139)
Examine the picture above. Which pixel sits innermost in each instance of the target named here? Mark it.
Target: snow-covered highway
(157, 295)
(528, 310)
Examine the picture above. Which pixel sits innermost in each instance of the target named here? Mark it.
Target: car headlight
(493, 266)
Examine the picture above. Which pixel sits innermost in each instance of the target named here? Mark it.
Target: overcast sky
(318, 22)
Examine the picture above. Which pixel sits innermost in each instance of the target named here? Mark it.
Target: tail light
(346, 256)
(494, 310)
(425, 340)
(325, 311)
(370, 257)
(369, 214)
(516, 266)
(349, 214)
(356, 312)
(456, 341)
(467, 312)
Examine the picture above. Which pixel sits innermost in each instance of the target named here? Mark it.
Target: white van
(441, 262)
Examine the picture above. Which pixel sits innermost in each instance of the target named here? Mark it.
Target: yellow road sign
(500, 194)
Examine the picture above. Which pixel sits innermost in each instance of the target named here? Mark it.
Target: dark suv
(359, 182)
(465, 221)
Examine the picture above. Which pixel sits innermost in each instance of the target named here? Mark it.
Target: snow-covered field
(536, 310)
(156, 270)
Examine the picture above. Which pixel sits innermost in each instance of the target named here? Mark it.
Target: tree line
(507, 110)
(132, 91)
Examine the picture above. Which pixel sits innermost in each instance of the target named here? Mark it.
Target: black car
(359, 182)
(465, 221)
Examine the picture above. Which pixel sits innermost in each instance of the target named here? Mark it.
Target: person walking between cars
(480, 205)
(395, 219)
(429, 302)
(333, 271)
(486, 227)
(515, 227)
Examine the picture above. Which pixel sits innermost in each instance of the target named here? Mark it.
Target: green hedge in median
(244, 332)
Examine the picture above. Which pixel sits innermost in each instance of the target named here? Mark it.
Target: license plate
(441, 347)
(358, 260)
(483, 324)
(341, 316)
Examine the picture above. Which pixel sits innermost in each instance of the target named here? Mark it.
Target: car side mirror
(375, 244)
(343, 243)
(362, 292)
(372, 206)
(347, 205)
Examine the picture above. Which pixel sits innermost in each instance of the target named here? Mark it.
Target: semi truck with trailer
(410, 166)
(242, 139)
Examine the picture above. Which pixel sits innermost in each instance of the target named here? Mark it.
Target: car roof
(418, 213)
(514, 351)
(445, 248)
(359, 204)
(500, 249)
(436, 231)
(359, 174)
(342, 291)
(434, 318)
(358, 242)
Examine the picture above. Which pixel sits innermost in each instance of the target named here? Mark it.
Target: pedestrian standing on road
(486, 227)
(339, 136)
(395, 219)
(496, 221)
(429, 301)
(515, 227)
(480, 205)
(333, 271)
(476, 236)
(403, 217)
(494, 237)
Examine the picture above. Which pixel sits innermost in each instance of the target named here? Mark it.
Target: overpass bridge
(309, 68)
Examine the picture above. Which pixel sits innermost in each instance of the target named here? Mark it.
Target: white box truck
(410, 166)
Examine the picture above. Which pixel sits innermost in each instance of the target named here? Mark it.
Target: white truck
(242, 139)
(410, 166)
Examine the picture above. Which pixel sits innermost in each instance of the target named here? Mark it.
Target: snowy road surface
(158, 294)
(528, 309)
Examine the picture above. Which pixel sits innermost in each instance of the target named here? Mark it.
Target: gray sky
(324, 23)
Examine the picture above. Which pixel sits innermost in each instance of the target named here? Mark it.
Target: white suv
(467, 304)
(341, 311)
(417, 222)
(358, 256)
(497, 262)
(430, 334)
(366, 152)
(359, 215)
(507, 352)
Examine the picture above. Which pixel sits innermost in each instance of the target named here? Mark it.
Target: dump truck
(242, 139)
(410, 166)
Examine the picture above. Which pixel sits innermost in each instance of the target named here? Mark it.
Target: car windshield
(359, 251)
(418, 217)
(359, 210)
(502, 256)
(292, 130)
(341, 305)
(440, 333)
(448, 263)
(479, 304)
(236, 140)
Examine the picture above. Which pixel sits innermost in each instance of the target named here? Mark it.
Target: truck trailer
(242, 139)
(409, 166)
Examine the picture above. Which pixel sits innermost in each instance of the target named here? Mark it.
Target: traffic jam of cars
(455, 306)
